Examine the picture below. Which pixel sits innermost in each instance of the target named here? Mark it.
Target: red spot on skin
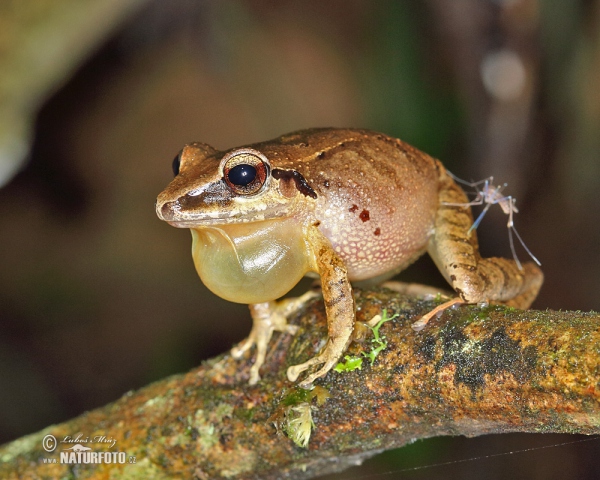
(353, 208)
(377, 231)
(364, 215)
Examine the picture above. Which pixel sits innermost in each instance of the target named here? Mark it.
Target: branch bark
(474, 371)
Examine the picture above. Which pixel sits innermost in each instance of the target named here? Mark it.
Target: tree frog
(345, 204)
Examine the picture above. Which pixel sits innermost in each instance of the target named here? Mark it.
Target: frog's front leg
(265, 320)
(339, 308)
(455, 250)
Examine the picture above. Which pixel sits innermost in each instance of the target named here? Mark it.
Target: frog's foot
(328, 357)
(437, 311)
(267, 318)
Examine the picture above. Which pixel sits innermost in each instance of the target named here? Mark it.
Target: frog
(343, 205)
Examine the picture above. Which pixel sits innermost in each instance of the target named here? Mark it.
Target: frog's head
(238, 186)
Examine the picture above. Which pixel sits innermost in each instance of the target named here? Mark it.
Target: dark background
(98, 297)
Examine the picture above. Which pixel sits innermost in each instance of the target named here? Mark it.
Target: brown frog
(345, 204)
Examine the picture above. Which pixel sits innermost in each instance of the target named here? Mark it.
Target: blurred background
(98, 297)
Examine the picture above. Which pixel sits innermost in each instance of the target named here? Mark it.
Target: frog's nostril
(166, 211)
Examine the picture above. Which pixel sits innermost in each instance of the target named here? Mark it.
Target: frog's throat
(251, 263)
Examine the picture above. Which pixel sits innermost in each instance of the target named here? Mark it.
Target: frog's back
(376, 195)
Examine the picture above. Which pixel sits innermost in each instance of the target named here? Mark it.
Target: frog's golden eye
(245, 171)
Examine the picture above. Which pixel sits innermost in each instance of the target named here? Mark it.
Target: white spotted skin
(376, 204)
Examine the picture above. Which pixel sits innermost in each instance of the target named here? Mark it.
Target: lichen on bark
(471, 372)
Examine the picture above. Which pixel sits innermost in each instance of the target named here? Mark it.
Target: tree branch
(473, 371)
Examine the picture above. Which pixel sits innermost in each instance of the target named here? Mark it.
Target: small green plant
(352, 363)
(378, 340)
(355, 363)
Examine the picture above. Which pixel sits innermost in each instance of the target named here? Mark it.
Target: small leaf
(351, 364)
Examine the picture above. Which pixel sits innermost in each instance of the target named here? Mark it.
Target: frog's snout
(166, 210)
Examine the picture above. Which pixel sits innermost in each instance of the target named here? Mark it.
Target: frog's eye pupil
(176, 164)
(245, 171)
(242, 174)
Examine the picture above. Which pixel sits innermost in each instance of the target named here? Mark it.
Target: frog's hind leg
(455, 250)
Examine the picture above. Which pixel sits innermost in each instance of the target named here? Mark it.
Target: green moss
(207, 432)
(222, 411)
(296, 396)
(162, 460)
(245, 414)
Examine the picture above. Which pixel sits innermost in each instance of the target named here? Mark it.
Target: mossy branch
(474, 371)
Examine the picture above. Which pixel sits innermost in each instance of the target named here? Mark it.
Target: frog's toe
(294, 371)
(436, 312)
(261, 340)
(324, 370)
(254, 373)
(419, 324)
(238, 351)
(290, 329)
(325, 358)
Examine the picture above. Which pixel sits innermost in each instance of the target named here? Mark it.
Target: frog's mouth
(174, 215)
(190, 212)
